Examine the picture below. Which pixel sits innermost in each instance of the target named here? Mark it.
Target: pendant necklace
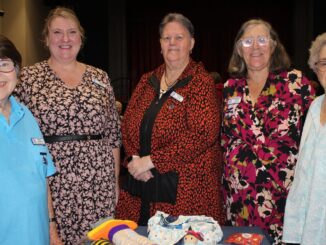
(167, 84)
(162, 91)
(168, 87)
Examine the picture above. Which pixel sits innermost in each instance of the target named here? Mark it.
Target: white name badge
(176, 96)
(99, 83)
(38, 141)
(235, 100)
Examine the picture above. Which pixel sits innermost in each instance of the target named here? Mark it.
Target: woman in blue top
(305, 212)
(24, 166)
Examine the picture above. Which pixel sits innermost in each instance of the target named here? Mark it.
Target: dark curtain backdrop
(216, 24)
(122, 35)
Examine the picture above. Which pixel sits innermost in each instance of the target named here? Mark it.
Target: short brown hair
(9, 50)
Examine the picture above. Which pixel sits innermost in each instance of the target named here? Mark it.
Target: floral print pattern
(260, 144)
(84, 190)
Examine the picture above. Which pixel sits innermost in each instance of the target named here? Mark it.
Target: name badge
(235, 100)
(176, 96)
(38, 141)
(99, 83)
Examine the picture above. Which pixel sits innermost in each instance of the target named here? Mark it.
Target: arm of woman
(113, 126)
(54, 236)
(112, 129)
(116, 155)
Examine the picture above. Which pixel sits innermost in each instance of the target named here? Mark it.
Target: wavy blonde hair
(66, 13)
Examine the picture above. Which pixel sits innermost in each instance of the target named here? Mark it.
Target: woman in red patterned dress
(170, 125)
(264, 108)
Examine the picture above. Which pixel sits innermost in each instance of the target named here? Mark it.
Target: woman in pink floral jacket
(264, 108)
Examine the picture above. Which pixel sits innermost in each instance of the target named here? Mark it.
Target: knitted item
(119, 232)
(102, 231)
(126, 236)
(101, 242)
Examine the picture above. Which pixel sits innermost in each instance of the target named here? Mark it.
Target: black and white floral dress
(83, 191)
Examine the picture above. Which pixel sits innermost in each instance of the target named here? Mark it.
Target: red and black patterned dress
(261, 147)
(184, 138)
(83, 191)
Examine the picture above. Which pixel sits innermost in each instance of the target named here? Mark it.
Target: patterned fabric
(84, 190)
(305, 212)
(184, 139)
(165, 229)
(261, 147)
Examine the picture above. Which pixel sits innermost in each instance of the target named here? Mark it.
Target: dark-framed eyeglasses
(6, 66)
(249, 41)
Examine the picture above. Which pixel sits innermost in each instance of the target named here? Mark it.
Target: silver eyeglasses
(321, 65)
(6, 66)
(249, 41)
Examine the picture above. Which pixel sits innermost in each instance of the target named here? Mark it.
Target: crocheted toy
(119, 232)
(192, 237)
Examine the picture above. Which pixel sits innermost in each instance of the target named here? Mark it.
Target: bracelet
(53, 219)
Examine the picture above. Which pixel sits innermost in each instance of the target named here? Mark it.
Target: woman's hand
(140, 165)
(145, 176)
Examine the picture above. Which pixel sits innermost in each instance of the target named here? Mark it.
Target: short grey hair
(176, 17)
(315, 49)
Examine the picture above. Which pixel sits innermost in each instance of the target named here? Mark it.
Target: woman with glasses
(305, 212)
(25, 164)
(75, 106)
(265, 103)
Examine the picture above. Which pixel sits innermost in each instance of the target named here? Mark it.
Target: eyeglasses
(249, 41)
(6, 66)
(321, 65)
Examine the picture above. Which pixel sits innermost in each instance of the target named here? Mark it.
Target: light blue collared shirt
(24, 167)
(305, 213)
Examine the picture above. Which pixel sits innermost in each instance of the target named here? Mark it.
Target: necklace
(162, 91)
(167, 84)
